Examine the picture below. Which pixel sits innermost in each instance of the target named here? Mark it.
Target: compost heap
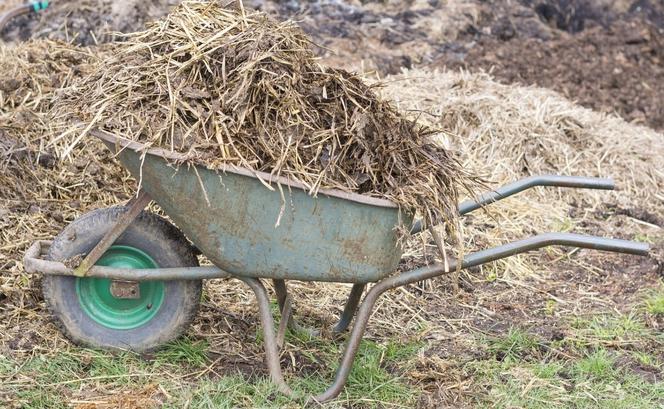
(234, 87)
(31, 74)
(38, 192)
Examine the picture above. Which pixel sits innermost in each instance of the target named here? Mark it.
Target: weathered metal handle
(579, 182)
(365, 310)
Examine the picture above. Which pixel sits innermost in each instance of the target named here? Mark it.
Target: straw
(230, 86)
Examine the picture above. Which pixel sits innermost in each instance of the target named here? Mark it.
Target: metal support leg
(271, 348)
(284, 322)
(350, 308)
(424, 273)
(281, 290)
(135, 206)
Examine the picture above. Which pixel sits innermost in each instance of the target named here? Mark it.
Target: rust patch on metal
(128, 290)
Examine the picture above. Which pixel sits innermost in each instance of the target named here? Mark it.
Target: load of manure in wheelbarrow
(230, 86)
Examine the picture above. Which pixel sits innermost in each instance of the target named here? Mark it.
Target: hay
(231, 87)
(39, 194)
(32, 72)
(506, 132)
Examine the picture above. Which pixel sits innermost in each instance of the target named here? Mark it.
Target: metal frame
(34, 262)
(579, 182)
(366, 308)
(134, 208)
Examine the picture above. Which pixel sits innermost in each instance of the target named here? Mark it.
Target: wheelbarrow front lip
(125, 143)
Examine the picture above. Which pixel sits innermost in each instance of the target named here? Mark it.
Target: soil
(618, 68)
(607, 55)
(86, 22)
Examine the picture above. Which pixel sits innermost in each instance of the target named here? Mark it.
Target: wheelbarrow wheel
(86, 310)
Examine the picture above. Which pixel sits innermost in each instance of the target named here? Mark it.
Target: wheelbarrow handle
(471, 260)
(580, 182)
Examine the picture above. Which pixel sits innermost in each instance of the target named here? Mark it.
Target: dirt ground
(84, 22)
(608, 56)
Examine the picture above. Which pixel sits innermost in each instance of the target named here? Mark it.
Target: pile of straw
(31, 74)
(230, 87)
(507, 132)
(40, 194)
(32, 71)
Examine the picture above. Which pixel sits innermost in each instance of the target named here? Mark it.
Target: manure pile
(507, 132)
(232, 87)
(38, 192)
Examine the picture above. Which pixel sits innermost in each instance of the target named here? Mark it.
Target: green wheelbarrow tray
(251, 223)
(253, 226)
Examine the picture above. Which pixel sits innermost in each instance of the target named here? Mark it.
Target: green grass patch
(644, 238)
(184, 350)
(40, 398)
(646, 359)
(598, 365)
(519, 370)
(622, 329)
(591, 382)
(655, 303)
(513, 346)
(56, 380)
(375, 379)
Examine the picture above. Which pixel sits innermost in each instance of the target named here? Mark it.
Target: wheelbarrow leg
(353, 344)
(286, 311)
(350, 308)
(267, 322)
(272, 349)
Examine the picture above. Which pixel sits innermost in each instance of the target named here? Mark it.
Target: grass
(513, 346)
(598, 364)
(595, 366)
(177, 376)
(592, 381)
(609, 329)
(655, 302)
(607, 360)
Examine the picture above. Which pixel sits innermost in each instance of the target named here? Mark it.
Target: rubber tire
(150, 233)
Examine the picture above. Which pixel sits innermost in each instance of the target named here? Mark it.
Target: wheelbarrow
(125, 278)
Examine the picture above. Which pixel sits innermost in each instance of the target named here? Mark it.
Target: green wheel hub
(94, 294)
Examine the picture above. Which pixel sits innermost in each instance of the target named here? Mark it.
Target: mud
(607, 55)
(616, 69)
(86, 22)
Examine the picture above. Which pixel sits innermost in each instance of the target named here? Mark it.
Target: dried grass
(39, 194)
(506, 132)
(232, 87)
